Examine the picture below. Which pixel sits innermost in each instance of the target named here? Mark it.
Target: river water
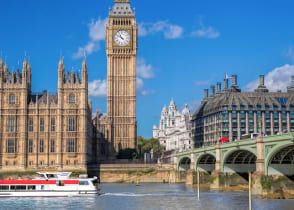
(149, 196)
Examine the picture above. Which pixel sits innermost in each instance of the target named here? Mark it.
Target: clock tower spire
(121, 50)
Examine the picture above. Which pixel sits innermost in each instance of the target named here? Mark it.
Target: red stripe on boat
(25, 182)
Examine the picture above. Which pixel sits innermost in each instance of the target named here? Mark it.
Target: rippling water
(148, 196)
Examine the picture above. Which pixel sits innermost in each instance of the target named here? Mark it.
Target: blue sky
(184, 46)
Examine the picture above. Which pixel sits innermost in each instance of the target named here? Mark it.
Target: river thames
(148, 196)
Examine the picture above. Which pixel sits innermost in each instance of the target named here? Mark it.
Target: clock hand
(121, 37)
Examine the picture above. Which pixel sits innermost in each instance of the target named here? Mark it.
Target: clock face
(122, 38)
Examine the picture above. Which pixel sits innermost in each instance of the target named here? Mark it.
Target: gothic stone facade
(175, 130)
(230, 113)
(121, 48)
(50, 131)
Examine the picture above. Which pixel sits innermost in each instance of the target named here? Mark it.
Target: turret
(1, 64)
(5, 66)
(85, 73)
(72, 76)
(1, 72)
(60, 73)
(29, 75)
(24, 73)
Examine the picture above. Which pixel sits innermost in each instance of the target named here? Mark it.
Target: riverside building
(231, 113)
(45, 130)
(174, 131)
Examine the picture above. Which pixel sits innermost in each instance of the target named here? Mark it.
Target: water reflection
(148, 196)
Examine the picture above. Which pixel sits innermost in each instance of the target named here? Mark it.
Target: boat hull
(45, 193)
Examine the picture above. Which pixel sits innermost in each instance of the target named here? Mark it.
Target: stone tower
(121, 49)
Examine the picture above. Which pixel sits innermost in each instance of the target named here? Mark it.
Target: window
(31, 143)
(11, 99)
(52, 145)
(42, 124)
(52, 124)
(11, 146)
(52, 162)
(32, 187)
(41, 145)
(71, 145)
(83, 183)
(4, 187)
(72, 99)
(71, 124)
(282, 101)
(31, 125)
(11, 124)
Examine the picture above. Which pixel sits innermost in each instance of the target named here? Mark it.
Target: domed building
(231, 114)
(174, 131)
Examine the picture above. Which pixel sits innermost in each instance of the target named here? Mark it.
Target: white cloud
(206, 32)
(98, 88)
(144, 70)
(200, 83)
(170, 31)
(98, 29)
(139, 83)
(277, 79)
(96, 33)
(290, 53)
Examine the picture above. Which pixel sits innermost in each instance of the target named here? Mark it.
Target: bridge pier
(217, 174)
(191, 178)
(260, 167)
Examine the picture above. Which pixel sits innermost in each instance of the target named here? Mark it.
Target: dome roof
(186, 110)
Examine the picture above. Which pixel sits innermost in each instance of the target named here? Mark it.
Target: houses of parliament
(57, 131)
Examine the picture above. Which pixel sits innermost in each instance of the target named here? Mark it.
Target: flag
(227, 76)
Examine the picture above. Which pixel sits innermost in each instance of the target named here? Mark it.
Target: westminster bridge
(268, 158)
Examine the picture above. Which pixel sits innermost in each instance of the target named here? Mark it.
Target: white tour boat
(50, 184)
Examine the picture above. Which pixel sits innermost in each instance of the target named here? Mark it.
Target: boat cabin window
(32, 187)
(4, 187)
(83, 183)
(59, 183)
(18, 187)
(51, 176)
(41, 176)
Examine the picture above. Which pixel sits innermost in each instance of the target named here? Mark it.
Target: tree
(146, 145)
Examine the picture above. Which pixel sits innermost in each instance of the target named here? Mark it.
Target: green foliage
(212, 179)
(145, 145)
(265, 182)
(130, 154)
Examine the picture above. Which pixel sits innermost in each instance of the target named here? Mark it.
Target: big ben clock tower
(121, 49)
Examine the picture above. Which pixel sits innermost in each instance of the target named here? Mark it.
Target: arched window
(11, 99)
(72, 99)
